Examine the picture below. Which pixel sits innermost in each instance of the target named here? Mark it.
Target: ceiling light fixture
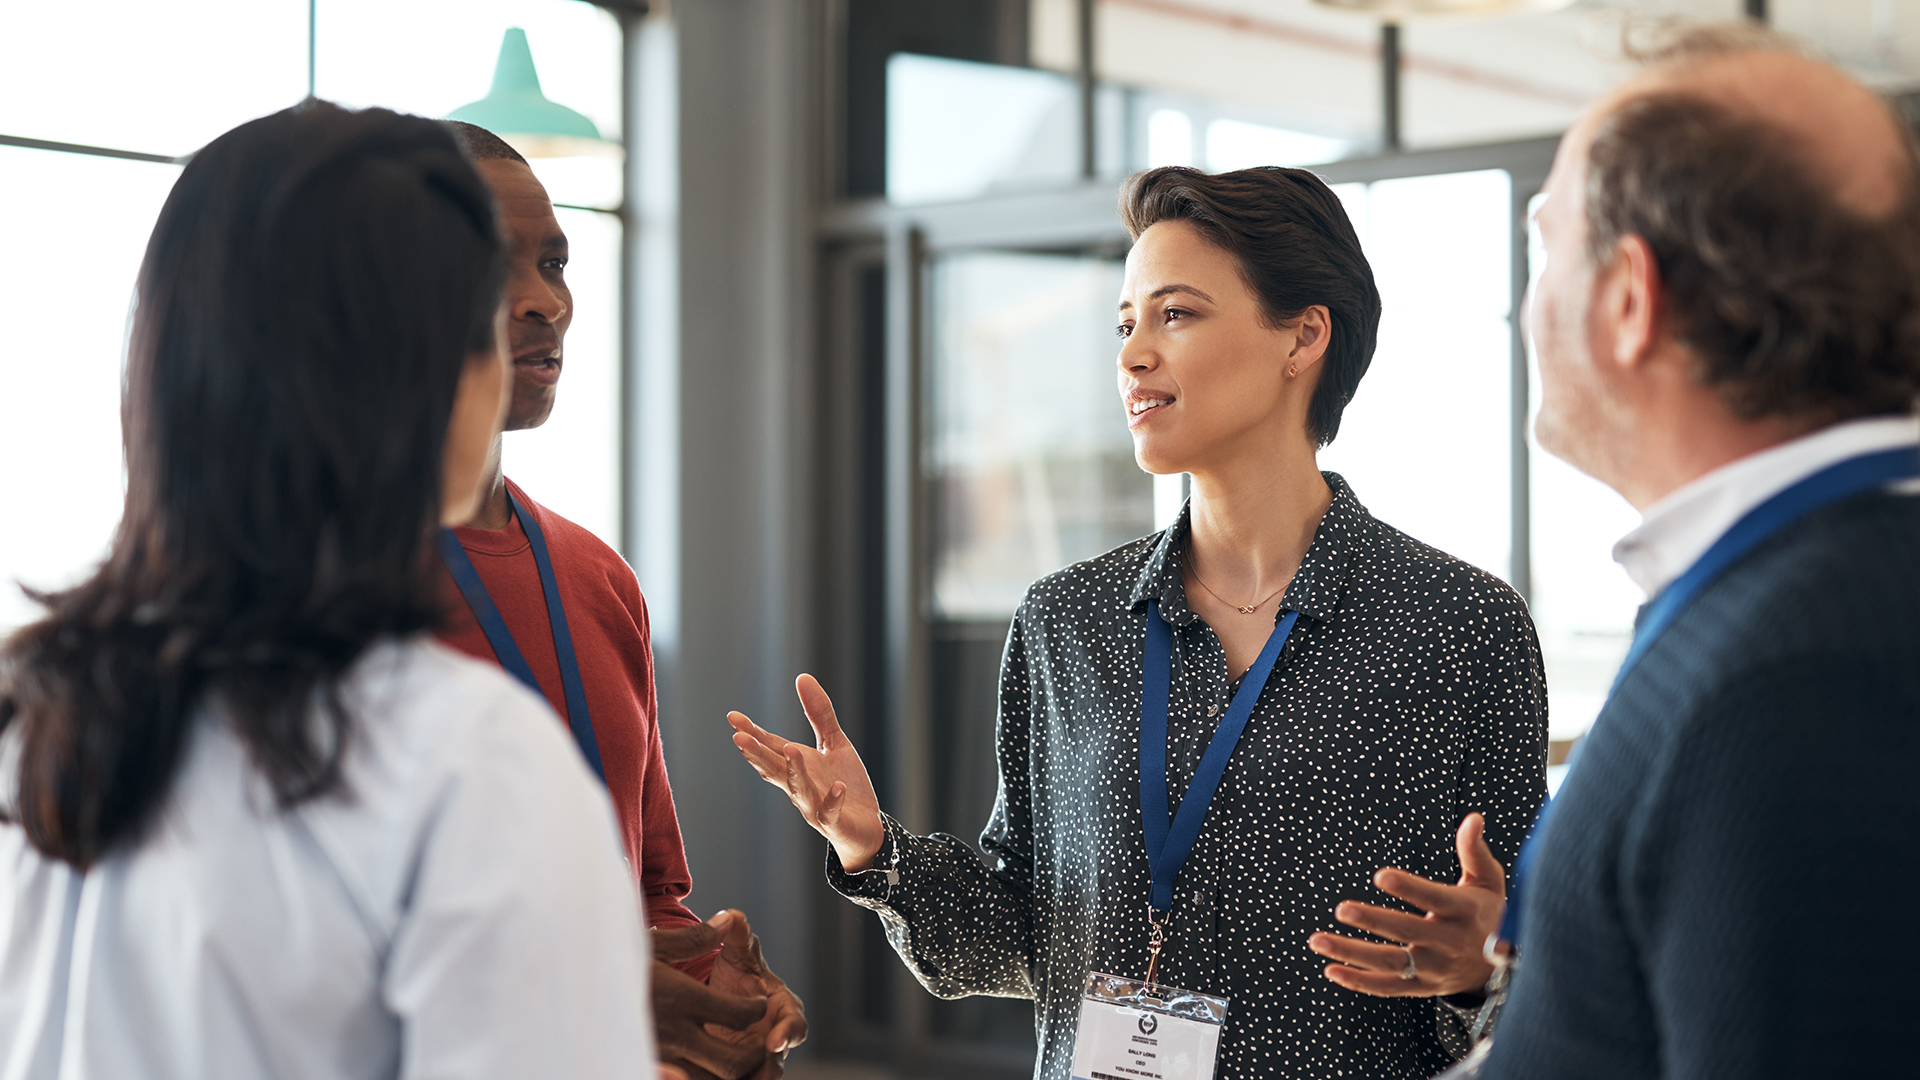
(517, 111)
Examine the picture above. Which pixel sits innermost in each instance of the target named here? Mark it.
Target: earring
(1293, 371)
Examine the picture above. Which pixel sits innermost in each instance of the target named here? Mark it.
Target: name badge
(1130, 1030)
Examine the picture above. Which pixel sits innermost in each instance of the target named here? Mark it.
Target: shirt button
(1213, 710)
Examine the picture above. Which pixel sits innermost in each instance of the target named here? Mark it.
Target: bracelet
(892, 871)
(1496, 990)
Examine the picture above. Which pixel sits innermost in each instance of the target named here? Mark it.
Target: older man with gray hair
(1728, 330)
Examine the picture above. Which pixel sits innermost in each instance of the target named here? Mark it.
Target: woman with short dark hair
(1213, 737)
(256, 822)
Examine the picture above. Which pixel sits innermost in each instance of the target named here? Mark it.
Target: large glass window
(1315, 71)
(1030, 469)
(1288, 66)
(959, 130)
(1237, 144)
(1426, 442)
(135, 75)
(1583, 604)
(165, 79)
(74, 231)
(572, 462)
(1031, 460)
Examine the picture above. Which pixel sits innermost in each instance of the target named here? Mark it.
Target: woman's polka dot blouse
(1410, 694)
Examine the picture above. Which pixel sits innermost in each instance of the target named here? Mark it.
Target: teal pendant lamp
(518, 112)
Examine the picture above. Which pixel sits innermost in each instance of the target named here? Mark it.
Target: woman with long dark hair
(256, 822)
(1212, 740)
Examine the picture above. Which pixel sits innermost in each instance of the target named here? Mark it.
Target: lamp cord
(313, 24)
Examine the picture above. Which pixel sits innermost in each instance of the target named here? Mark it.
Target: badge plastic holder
(1134, 1030)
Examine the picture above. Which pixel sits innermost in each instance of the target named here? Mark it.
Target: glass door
(1028, 468)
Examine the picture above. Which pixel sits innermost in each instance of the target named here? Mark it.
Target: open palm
(827, 782)
(1442, 950)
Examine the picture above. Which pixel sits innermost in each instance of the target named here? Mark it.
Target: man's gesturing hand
(1446, 945)
(684, 1009)
(829, 784)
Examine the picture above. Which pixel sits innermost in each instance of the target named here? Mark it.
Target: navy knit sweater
(1729, 885)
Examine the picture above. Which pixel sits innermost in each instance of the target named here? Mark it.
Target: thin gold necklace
(1250, 609)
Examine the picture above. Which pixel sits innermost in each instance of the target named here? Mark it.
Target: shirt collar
(1316, 587)
(1681, 527)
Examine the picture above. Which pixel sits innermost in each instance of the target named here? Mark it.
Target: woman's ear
(1312, 333)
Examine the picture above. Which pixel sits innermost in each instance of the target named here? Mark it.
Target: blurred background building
(840, 384)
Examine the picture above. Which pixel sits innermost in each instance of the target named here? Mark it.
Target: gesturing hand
(829, 784)
(1445, 946)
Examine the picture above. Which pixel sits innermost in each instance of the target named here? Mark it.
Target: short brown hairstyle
(1296, 248)
(1793, 302)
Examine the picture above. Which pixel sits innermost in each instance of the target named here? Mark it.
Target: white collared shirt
(1680, 528)
(463, 912)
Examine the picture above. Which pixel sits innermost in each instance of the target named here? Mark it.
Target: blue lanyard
(1169, 843)
(495, 627)
(1851, 477)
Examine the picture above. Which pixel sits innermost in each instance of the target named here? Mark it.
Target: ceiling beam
(634, 8)
(1411, 63)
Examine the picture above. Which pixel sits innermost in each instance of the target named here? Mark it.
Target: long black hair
(312, 291)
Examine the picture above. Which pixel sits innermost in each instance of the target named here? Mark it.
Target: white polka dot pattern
(1410, 694)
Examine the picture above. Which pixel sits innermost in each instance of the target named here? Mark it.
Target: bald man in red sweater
(590, 656)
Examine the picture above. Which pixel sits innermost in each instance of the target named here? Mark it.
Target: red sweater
(607, 617)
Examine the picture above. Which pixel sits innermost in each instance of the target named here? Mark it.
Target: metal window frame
(629, 14)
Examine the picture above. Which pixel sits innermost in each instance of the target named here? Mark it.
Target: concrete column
(721, 470)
